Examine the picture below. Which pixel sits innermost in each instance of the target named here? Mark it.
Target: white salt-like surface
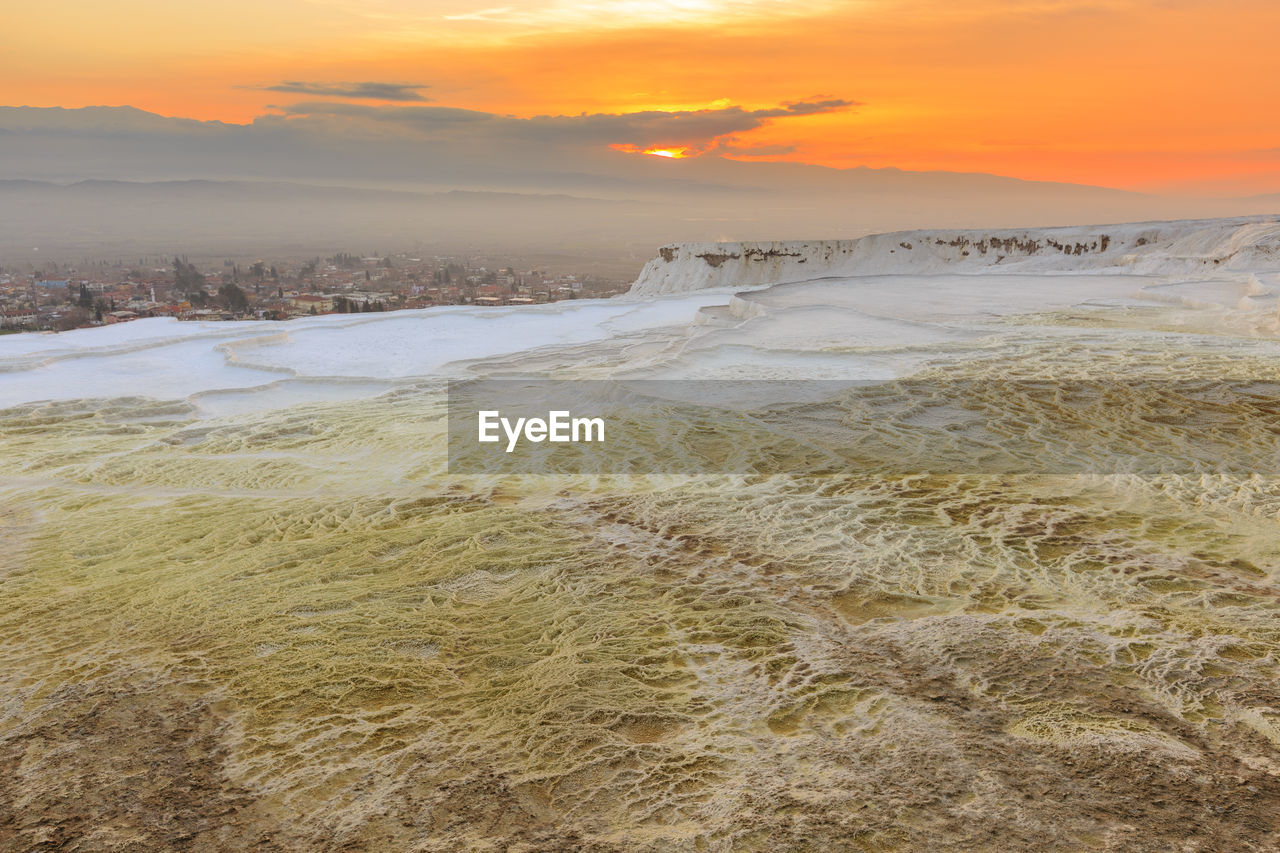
(168, 359)
(863, 309)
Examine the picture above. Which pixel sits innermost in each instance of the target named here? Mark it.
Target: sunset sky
(1174, 95)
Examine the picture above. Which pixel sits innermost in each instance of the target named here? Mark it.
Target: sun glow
(672, 153)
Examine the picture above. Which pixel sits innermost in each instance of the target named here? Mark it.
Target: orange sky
(1145, 94)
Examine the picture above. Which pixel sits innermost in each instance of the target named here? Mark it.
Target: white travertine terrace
(1188, 247)
(244, 606)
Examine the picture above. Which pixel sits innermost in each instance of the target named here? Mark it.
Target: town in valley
(57, 297)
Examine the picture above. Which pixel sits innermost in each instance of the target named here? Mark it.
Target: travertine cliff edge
(1251, 243)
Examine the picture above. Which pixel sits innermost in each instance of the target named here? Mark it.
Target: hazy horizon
(112, 181)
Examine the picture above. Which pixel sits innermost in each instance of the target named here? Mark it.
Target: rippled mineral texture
(287, 628)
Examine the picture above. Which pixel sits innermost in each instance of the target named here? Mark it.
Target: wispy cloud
(695, 130)
(480, 15)
(401, 19)
(372, 91)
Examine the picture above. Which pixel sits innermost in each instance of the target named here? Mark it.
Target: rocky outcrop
(1140, 248)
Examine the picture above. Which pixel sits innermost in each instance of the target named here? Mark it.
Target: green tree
(233, 298)
(186, 278)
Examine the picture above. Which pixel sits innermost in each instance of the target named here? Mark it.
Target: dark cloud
(807, 108)
(697, 130)
(367, 91)
(423, 118)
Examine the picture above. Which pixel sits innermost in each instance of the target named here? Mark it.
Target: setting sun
(672, 153)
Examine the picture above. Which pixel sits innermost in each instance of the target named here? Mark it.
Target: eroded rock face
(1144, 248)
